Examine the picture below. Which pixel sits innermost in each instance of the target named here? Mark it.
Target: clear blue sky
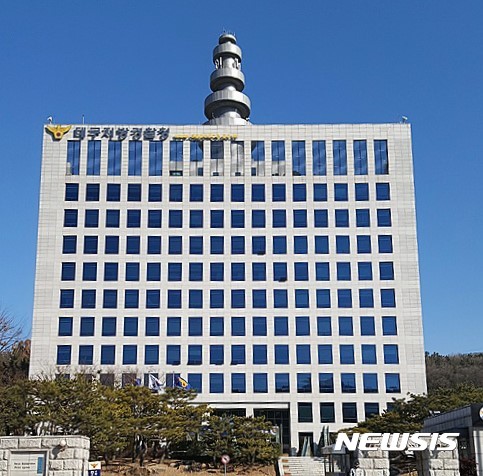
(314, 62)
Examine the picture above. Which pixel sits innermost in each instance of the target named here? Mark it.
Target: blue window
(216, 218)
(282, 383)
(381, 157)
(238, 383)
(112, 218)
(195, 299)
(216, 326)
(195, 326)
(300, 245)
(362, 192)
(280, 272)
(360, 157)
(129, 354)
(196, 271)
(108, 354)
(326, 383)
(259, 326)
(86, 353)
(299, 192)
(152, 326)
(195, 355)
(302, 326)
(196, 382)
(342, 244)
(176, 158)
(279, 218)
(196, 158)
(319, 157)
(196, 218)
(279, 245)
(155, 158)
(327, 412)
(131, 299)
(346, 352)
(133, 245)
(371, 409)
(301, 271)
(303, 354)
(278, 192)
(175, 218)
(70, 218)
(130, 326)
(281, 354)
(174, 299)
(363, 243)
(298, 157)
(258, 218)
(238, 354)
(366, 298)
(154, 192)
(113, 192)
(87, 327)
(73, 157)
(322, 244)
(151, 355)
(386, 270)
(65, 326)
(114, 157)
(175, 245)
(320, 192)
(238, 219)
(368, 327)
(363, 218)
(389, 326)
(259, 298)
(173, 354)
(325, 354)
(304, 383)
(88, 299)
(348, 383)
(345, 326)
(238, 299)
(237, 245)
(258, 193)
(323, 298)
(384, 217)
(196, 245)
(64, 354)
(69, 244)
(176, 193)
(344, 298)
(342, 218)
(217, 272)
(217, 245)
(260, 383)
(68, 272)
(280, 326)
(71, 192)
(153, 272)
(92, 192)
(109, 299)
(135, 157)
(343, 271)
(260, 354)
(258, 158)
(237, 193)
(340, 157)
(216, 355)
(153, 299)
(391, 354)
(154, 245)
(364, 270)
(217, 299)
(321, 219)
(349, 412)
(238, 326)
(370, 383)
(133, 218)
(341, 193)
(216, 383)
(300, 218)
(132, 271)
(259, 245)
(383, 191)
(368, 352)
(393, 384)
(278, 158)
(108, 326)
(280, 299)
(388, 298)
(134, 192)
(154, 218)
(216, 193)
(324, 326)
(385, 243)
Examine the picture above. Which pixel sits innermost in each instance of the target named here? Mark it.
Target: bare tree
(9, 332)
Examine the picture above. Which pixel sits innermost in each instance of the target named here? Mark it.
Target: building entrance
(281, 418)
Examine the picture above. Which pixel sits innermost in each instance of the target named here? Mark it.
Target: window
(152, 326)
(279, 245)
(238, 218)
(195, 326)
(258, 218)
(349, 412)
(280, 299)
(324, 354)
(279, 218)
(196, 158)
(153, 272)
(113, 193)
(73, 157)
(151, 355)
(260, 383)
(299, 192)
(319, 157)
(176, 193)
(281, 354)
(196, 218)
(362, 192)
(112, 218)
(259, 245)
(69, 244)
(304, 383)
(282, 383)
(300, 245)
(133, 244)
(238, 354)
(108, 326)
(237, 326)
(129, 354)
(217, 271)
(320, 192)
(216, 158)
(133, 218)
(280, 325)
(391, 354)
(363, 218)
(345, 326)
(366, 298)
(370, 383)
(87, 327)
(324, 327)
(385, 243)
(108, 354)
(341, 193)
(174, 299)
(131, 298)
(260, 354)
(176, 158)
(360, 157)
(305, 412)
(237, 193)
(389, 326)
(298, 157)
(367, 326)
(238, 299)
(302, 326)
(280, 272)
(114, 157)
(130, 326)
(303, 354)
(195, 299)
(301, 271)
(364, 270)
(384, 217)
(154, 218)
(342, 218)
(135, 158)
(175, 245)
(237, 245)
(348, 383)
(68, 272)
(258, 158)
(86, 354)
(196, 245)
(196, 271)
(237, 150)
(323, 298)
(259, 326)
(371, 409)
(64, 354)
(217, 245)
(381, 157)
(153, 298)
(217, 298)
(258, 193)
(343, 271)
(195, 355)
(278, 158)
(216, 383)
(346, 353)
(71, 192)
(300, 218)
(393, 384)
(326, 383)
(132, 271)
(155, 158)
(196, 382)
(344, 298)
(173, 354)
(321, 219)
(342, 244)
(383, 191)
(363, 243)
(175, 218)
(322, 244)
(216, 193)
(65, 326)
(216, 326)
(386, 270)
(110, 299)
(216, 355)
(70, 218)
(154, 245)
(278, 192)
(154, 192)
(88, 299)
(134, 192)
(327, 412)
(340, 157)
(368, 352)
(388, 298)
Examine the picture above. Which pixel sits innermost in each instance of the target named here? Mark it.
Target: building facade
(274, 267)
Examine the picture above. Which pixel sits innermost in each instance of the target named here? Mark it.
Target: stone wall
(437, 463)
(373, 462)
(20, 454)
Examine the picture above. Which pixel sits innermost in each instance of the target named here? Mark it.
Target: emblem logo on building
(57, 131)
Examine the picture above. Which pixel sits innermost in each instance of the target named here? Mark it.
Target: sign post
(225, 459)
(94, 468)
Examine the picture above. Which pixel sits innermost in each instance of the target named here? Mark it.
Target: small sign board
(225, 459)
(94, 468)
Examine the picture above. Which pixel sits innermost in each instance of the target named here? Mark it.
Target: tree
(9, 332)
(14, 363)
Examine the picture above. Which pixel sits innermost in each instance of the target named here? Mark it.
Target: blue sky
(305, 62)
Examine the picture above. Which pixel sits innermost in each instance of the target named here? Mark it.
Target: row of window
(235, 271)
(367, 326)
(237, 218)
(349, 409)
(196, 244)
(238, 298)
(235, 153)
(237, 192)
